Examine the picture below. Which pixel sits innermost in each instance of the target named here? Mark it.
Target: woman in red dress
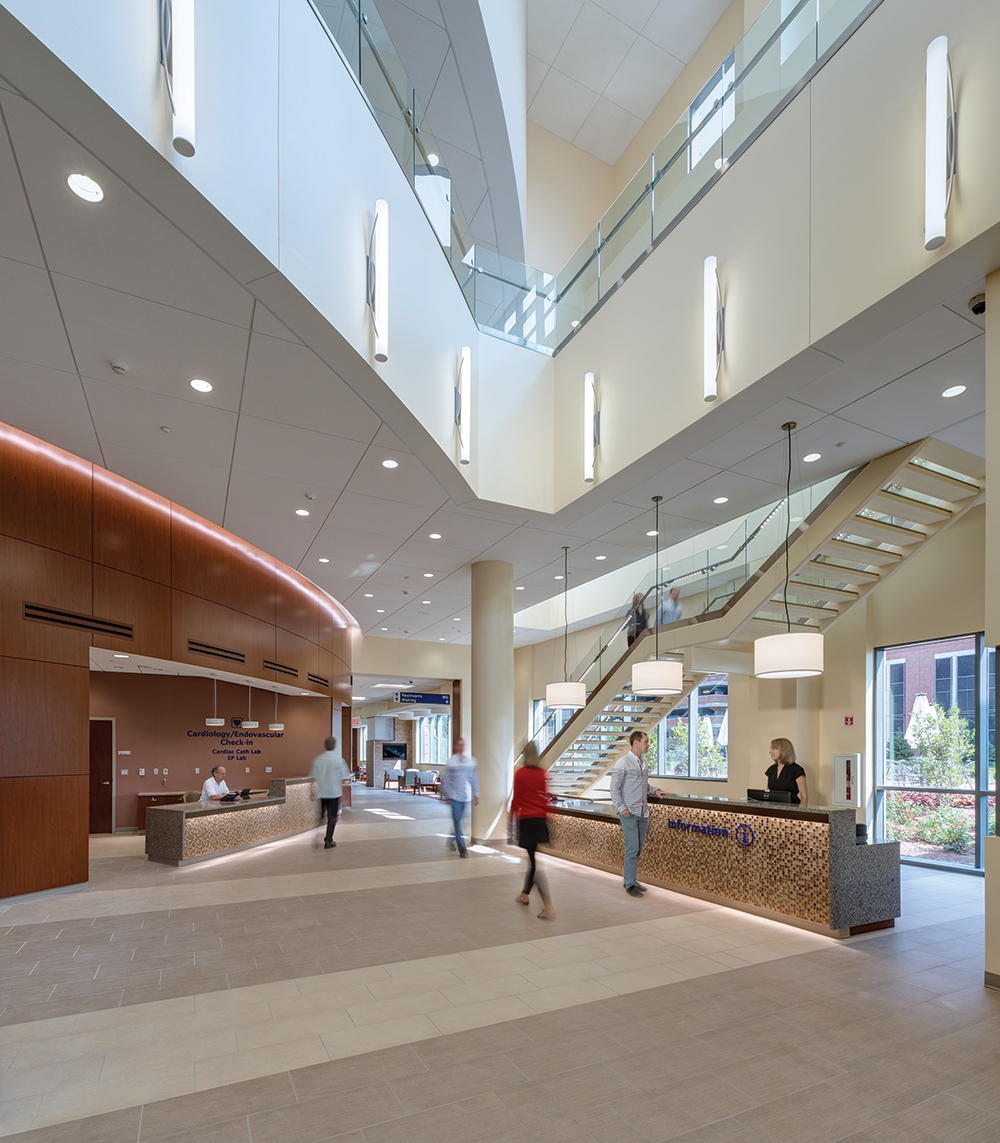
(530, 805)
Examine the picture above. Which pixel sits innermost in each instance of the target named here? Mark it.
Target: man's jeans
(634, 829)
(457, 813)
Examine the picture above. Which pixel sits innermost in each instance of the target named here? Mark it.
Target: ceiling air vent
(76, 622)
(216, 652)
(281, 669)
(318, 680)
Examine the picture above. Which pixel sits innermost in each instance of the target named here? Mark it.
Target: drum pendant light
(215, 720)
(791, 654)
(658, 676)
(566, 695)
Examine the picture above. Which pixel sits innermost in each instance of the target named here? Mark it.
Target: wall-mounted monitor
(394, 750)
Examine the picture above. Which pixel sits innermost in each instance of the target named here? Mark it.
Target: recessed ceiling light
(120, 656)
(441, 639)
(164, 428)
(953, 391)
(85, 188)
(301, 511)
(390, 464)
(323, 560)
(432, 159)
(811, 456)
(457, 619)
(357, 698)
(425, 601)
(200, 386)
(428, 575)
(369, 595)
(383, 628)
(380, 611)
(435, 535)
(600, 557)
(557, 577)
(721, 500)
(574, 324)
(652, 532)
(519, 588)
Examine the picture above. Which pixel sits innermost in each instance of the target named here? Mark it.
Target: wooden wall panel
(43, 833)
(31, 574)
(131, 599)
(207, 622)
(47, 494)
(44, 712)
(213, 564)
(131, 528)
(296, 606)
(294, 651)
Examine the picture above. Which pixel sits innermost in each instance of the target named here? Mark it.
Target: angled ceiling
(83, 285)
(598, 68)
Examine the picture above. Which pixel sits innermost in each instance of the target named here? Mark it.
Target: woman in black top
(786, 773)
(636, 619)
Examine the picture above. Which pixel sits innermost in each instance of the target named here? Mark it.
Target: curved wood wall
(153, 579)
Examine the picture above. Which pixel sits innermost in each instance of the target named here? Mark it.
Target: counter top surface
(161, 793)
(726, 805)
(202, 808)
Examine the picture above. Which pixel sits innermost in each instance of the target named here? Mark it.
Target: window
(703, 108)
(693, 740)
(546, 723)
(432, 741)
(936, 755)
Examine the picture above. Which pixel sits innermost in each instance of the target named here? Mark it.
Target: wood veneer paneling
(32, 574)
(296, 608)
(47, 494)
(131, 528)
(141, 602)
(294, 651)
(43, 833)
(215, 565)
(44, 708)
(207, 622)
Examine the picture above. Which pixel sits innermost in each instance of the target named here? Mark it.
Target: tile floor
(385, 991)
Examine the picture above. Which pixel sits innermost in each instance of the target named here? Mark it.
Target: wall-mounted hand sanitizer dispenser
(847, 780)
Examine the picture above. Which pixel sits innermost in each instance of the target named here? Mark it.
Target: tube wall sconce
(463, 405)
(939, 144)
(714, 330)
(177, 58)
(378, 279)
(591, 427)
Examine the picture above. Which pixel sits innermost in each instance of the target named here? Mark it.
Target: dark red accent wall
(78, 538)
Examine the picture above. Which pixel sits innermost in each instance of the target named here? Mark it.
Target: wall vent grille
(318, 680)
(281, 669)
(77, 622)
(216, 652)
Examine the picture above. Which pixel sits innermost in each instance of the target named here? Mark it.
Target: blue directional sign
(421, 700)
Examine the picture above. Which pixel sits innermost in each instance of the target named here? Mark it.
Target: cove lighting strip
(714, 328)
(378, 279)
(463, 405)
(939, 143)
(177, 56)
(591, 427)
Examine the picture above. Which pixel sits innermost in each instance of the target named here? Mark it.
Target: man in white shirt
(629, 790)
(329, 772)
(459, 786)
(215, 788)
(671, 609)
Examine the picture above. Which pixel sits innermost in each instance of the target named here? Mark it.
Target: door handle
(105, 783)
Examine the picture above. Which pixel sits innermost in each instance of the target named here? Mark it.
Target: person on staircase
(630, 790)
(671, 609)
(530, 805)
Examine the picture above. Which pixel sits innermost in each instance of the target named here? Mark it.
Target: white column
(492, 695)
(992, 568)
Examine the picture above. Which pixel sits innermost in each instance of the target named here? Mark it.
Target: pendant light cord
(566, 615)
(656, 573)
(788, 517)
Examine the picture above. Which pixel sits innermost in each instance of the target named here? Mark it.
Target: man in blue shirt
(629, 790)
(459, 786)
(329, 771)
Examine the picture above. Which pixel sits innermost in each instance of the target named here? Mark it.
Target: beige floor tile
(547, 977)
(220, 1070)
(560, 958)
(499, 953)
(474, 973)
(407, 985)
(480, 1014)
(425, 965)
(320, 1023)
(179, 1050)
(22, 1082)
(565, 995)
(231, 1000)
(308, 985)
(112, 1095)
(52, 1028)
(172, 1027)
(37, 1052)
(397, 1008)
(640, 978)
(625, 962)
(16, 1114)
(463, 994)
(134, 1014)
(373, 1037)
(288, 1007)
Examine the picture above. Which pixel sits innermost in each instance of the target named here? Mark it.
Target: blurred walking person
(459, 787)
(530, 805)
(329, 772)
(636, 619)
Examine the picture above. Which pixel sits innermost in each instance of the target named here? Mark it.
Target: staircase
(875, 520)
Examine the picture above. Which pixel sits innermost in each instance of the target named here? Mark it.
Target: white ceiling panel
(291, 453)
(447, 110)
(743, 492)
(631, 537)
(646, 72)
(132, 418)
(265, 322)
(270, 533)
(959, 304)
(603, 520)
(675, 478)
(84, 446)
(756, 433)
(409, 483)
(584, 559)
(969, 435)
(353, 543)
(266, 495)
(436, 557)
(18, 239)
(40, 400)
(347, 569)
(594, 48)
(606, 131)
(120, 242)
(912, 406)
(549, 23)
(30, 326)
(930, 336)
(381, 517)
(197, 485)
(289, 384)
(562, 105)
(680, 26)
(533, 546)
(536, 73)
(163, 347)
(464, 530)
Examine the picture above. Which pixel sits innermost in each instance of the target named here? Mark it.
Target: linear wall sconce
(463, 405)
(177, 57)
(378, 279)
(939, 144)
(714, 328)
(591, 427)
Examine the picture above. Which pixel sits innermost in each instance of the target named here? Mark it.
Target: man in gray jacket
(629, 790)
(329, 772)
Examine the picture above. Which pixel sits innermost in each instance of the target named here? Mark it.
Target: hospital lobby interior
(551, 382)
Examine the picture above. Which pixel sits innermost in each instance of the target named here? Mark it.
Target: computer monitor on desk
(769, 796)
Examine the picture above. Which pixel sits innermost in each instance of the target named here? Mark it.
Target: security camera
(978, 304)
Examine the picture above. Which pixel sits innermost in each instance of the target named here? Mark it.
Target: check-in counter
(196, 831)
(800, 866)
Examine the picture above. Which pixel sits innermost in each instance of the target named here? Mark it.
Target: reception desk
(196, 831)
(800, 866)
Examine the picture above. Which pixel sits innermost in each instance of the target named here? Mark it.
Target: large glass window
(547, 723)
(432, 737)
(936, 749)
(693, 740)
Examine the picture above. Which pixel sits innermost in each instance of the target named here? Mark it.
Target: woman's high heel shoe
(522, 899)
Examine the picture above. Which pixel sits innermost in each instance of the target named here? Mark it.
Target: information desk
(195, 831)
(801, 866)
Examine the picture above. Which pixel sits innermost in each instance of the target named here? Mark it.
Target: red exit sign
(848, 719)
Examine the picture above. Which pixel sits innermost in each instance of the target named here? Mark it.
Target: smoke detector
(119, 367)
